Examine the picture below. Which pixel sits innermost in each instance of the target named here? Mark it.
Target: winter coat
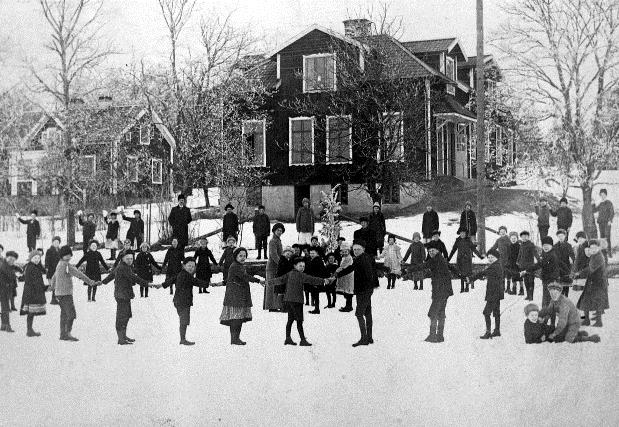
(440, 246)
(93, 260)
(512, 261)
(142, 265)
(316, 268)
(294, 281)
(367, 236)
(173, 261)
(112, 229)
(179, 220)
(392, 256)
(261, 225)
(417, 252)
(581, 260)
(551, 268)
(34, 286)
(226, 260)
(503, 245)
(378, 227)
(8, 281)
(124, 280)
(305, 220)
(230, 225)
(346, 282)
(533, 332)
(62, 280)
(595, 295)
(605, 211)
(468, 222)
(494, 281)
(284, 266)
(543, 216)
(88, 229)
(183, 295)
(136, 228)
(565, 254)
(567, 315)
(33, 229)
(120, 256)
(237, 286)
(203, 266)
(464, 261)
(527, 255)
(440, 275)
(52, 257)
(429, 223)
(365, 279)
(275, 253)
(564, 217)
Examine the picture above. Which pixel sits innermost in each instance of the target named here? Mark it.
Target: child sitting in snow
(535, 332)
(393, 259)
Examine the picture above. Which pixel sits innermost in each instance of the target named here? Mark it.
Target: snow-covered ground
(400, 380)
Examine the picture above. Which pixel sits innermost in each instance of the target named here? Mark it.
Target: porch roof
(450, 109)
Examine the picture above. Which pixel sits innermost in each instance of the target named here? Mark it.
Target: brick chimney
(357, 27)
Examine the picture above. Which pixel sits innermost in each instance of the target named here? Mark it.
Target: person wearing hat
(305, 222)
(136, 228)
(345, 282)
(331, 266)
(179, 219)
(261, 227)
(494, 293)
(567, 327)
(94, 261)
(535, 331)
(594, 297)
(272, 301)
(564, 217)
(502, 245)
(437, 243)
(203, 256)
(464, 262)
(543, 217)
(550, 268)
(62, 285)
(8, 282)
(468, 221)
(52, 257)
(285, 262)
(566, 256)
(124, 281)
(511, 269)
(33, 298)
(581, 260)
(143, 267)
(87, 222)
(417, 252)
(527, 257)
(172, 263)
(33, 229)
(429, 224)
(227, 257)
(111, 236)
(230, 225)
(366, 235)
(606, 213)
(376, 224)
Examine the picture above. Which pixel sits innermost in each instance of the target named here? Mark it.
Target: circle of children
(297, 275)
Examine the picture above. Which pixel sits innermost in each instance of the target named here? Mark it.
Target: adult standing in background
(33, 229)
(261, 228)
(468, 221)
(305, 222)
(564, 217)
(543, 217)
(179, 219)
(273, 302)
(230, 227)
(88, 230)
(378, 227)
(429, 224)
(606, 212)
(136, 228)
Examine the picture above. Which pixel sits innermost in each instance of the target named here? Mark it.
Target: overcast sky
(137, 29)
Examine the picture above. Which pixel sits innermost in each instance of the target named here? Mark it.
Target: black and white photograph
(309, 213)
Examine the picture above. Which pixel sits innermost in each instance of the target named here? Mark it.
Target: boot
(131, 340)
(432, 336)
(521, 292)
(461, 286)
(486, 336)
(598, 321)
(121, 337)
(415, 288)
(6, 324)
(31, 332)
(466, 288)
(289, 341)
(497, 327)
(183, 333)
(305, 343)
(421, 286)
(439, 330)
(593, 338)
(68, 335)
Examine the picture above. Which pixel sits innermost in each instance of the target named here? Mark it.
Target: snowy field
(400, 380)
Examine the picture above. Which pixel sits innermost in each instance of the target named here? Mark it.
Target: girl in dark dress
(203, 267)
(595, 295)
(93, 259)
(33, 299)
(464, 261)
(174, 262)
(142, 266)
(227, 257)
(417, 252)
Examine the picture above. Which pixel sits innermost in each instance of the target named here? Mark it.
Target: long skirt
(272, 301)
(234, 313)
(34, 309)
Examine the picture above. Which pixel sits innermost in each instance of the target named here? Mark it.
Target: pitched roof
(450, 105)
(25, 127)
(434, 45)
(311, 28)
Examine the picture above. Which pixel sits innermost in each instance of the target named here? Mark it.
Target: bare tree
(566, 54)
(75, 45)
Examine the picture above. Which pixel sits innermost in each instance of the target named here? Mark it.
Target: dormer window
(144, 134)
(450, 67)
(51, 136)
(319, 73)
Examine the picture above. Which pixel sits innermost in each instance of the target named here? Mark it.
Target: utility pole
(480, 92)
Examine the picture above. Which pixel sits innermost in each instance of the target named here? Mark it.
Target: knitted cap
(513, 233)
(287, 249)
(32, 254)
(581, 234)
(547, 241)
(65, 250)
(503, 228)
(436, 232)
(563, 200)
(529, 308)
(561, 231)
(556, 286)
(297, 260)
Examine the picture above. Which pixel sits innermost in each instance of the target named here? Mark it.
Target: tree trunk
(70, 226)
(588, 221)
(206, 201)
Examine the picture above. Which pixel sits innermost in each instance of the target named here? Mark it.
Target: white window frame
(264, 139)
(94, 163)
(148, 127)
(320, 55)
(132, 162)
(344, 117)
(152, 170)
(290, 120)
(449, 59)
(382, 136)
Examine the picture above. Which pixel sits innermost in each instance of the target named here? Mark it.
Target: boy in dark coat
(7, 283)
(437, 243)
(89, 229)
(230, 227)
(203, 268)
(464, 262)
(33, 229)
(494, 293)
(316, 268)
(314, 244)
(511, 269)
(227, 257)
(262, 229)
(564, 217)
(468, 221)
(429, 224)
(124, 280)
(526, 258)
(126, 248)
(179, 219)
(595, 295)
(417, 252)
(565, 254)
(111, 236)
(543, 217)
(366, 235)
(331, 267)
(142, 266)
(606, 213)
(535, 331)
(183, 298)
(441, 291)
(94, 261)
(52, 257)
(377, 226)
(550, 267)
(136, 228)
(173, 263)
(502, 245)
